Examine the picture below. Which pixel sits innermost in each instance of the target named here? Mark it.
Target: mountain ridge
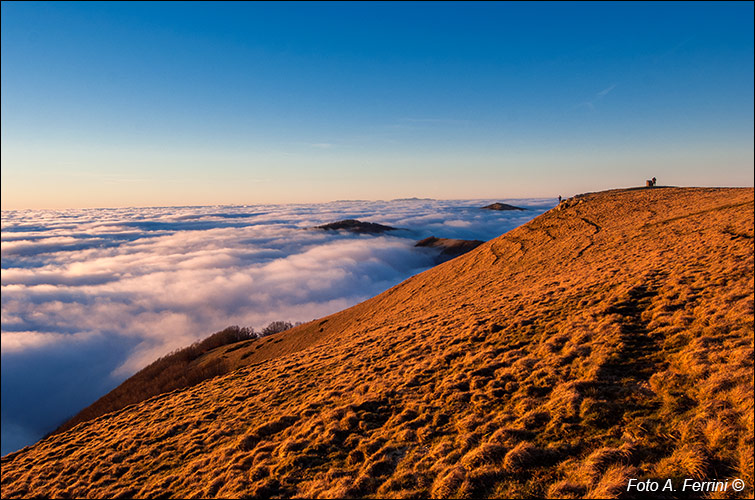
(559, 359)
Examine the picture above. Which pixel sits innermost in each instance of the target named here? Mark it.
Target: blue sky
(154, 104)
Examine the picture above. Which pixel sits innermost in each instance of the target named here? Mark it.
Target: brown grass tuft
(567, 489)
(686, 461)
(522, 457)
(599, 461)
(448, 483)
(613, 484)
(486, 454)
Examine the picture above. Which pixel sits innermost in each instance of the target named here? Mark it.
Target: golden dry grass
(609, 338)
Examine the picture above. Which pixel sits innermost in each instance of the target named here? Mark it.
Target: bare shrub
(276, 327)
(175, 370)
(167, 373)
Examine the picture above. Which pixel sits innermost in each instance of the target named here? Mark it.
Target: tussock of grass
(610, 339)
(613, 483)
(686, 461)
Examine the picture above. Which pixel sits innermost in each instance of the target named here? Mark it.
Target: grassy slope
(607, 339)
(182, 368)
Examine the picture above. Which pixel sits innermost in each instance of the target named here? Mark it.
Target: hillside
(610, 338)
(176, 370)
(211, 357)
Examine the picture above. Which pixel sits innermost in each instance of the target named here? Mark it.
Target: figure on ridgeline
(653, 181)
(559, 199)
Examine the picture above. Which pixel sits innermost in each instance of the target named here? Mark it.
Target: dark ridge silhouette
(356, 226)
(502, 206)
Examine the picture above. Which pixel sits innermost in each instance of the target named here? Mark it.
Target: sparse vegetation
(608, 339)
(177, 370)
(275, 327)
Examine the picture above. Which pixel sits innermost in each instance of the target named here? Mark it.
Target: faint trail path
(587, 221)
(591, 240)
(700, 212)
(637, 355)
(638, 351)
(508, 239)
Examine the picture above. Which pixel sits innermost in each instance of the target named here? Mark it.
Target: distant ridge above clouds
(414, 198)
(502, 207)
(356, 226)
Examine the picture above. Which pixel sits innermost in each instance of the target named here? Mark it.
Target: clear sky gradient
(155, 104)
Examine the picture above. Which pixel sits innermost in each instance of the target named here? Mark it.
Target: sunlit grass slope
(609, 338)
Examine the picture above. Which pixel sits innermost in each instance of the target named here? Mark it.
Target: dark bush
(170, 372)
(230, 335)
(276, 327)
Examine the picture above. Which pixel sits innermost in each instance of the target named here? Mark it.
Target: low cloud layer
(91, 296)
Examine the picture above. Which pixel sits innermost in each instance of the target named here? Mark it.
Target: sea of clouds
(90, 296)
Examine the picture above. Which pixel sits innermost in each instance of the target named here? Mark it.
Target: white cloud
(598, 96)
(22, 340)
(606, 91)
